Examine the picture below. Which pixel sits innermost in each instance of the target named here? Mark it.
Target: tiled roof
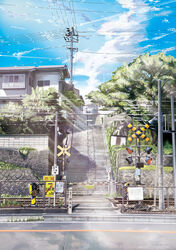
(32, 68)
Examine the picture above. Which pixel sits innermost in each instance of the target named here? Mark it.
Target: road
(87, 236)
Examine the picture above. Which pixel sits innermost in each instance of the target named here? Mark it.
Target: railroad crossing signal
(138, 132)
(63, 151)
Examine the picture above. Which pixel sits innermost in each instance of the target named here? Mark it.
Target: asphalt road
(93, 236)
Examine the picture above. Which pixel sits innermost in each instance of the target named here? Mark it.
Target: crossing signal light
(129, 160)
(148, 150)
(148, 160)
(130, 139)
(147, 126)
(130, 125)
(130, 150)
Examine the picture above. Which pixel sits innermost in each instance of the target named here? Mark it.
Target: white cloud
(38, 20)
(165, 20)
(164, 13)
(159, 37)
(122, 35)
(98, 20)
(17, 27)
(20, 54)
(168, 49)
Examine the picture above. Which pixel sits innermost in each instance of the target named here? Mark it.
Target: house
(15, 82)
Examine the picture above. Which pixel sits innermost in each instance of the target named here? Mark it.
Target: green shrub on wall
(8, 166)
(24, 151)
(168, 169)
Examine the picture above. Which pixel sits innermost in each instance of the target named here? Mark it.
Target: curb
(113, 218)
(31, 210)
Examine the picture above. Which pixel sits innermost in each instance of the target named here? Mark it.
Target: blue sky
(111, 33)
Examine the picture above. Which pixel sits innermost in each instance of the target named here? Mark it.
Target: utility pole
(55, 155)
(160, 149)
(173, 147)
(71, 36)
(55, 139)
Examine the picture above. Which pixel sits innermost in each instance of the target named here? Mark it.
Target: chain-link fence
(143, 199)
(23, 196)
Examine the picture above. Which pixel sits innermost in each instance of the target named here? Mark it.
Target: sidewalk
(60, 216)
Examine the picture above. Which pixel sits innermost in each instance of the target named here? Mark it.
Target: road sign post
(138, 134)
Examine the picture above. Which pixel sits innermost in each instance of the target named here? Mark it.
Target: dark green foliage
(35, 116)
(73, 99)
(133, 87)
(8, 166)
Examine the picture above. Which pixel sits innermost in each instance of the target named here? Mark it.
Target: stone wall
(147, 177)
(148, 180)
(37, 161)
(16, 182)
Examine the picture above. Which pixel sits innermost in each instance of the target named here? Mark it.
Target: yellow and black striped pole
(33, 191)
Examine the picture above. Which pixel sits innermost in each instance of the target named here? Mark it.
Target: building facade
(15, 82)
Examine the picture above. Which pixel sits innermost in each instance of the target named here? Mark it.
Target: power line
(33, 57)
(78, 10)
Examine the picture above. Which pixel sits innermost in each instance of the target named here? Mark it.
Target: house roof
(39, 68)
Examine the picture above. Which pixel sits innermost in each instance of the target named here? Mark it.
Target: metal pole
(71, 57)
(70, 200)
(173, 147)
(55, 155)
(160, 149)
(55, 139)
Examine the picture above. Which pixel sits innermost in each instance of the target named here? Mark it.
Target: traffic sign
(59, 187)
(63, 151)
(55, 170)
(50, 186)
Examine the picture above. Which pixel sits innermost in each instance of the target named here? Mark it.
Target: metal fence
(10, 198)
(143, 199)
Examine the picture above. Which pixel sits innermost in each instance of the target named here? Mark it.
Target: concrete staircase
(88, 164)
(92, 205)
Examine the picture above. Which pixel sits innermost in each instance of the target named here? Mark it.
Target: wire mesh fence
(143, 199)
(11, 194)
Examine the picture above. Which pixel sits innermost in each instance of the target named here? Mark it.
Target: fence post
(167, 195)
(65, 190)
(44, 184)
(122, 208)
(0, 191)
(70, 200)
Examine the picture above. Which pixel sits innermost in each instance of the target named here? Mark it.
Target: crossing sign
(55, 170)
(63, 151)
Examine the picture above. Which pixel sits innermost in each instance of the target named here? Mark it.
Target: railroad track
(26, 202)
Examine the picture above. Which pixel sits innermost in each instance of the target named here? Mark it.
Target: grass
(14, 196)
(8, 166)
(167, 169)
(7, 203)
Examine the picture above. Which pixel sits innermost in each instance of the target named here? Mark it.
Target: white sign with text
(135, 193)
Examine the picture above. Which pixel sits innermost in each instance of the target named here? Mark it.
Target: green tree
(35, 115)
(133, 87)
(73, 99)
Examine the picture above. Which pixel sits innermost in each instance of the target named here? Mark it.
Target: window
(43, 83)
(13, 81)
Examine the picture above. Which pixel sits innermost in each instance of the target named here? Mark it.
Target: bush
(168, 169)
(8, 166)
(167, 148)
